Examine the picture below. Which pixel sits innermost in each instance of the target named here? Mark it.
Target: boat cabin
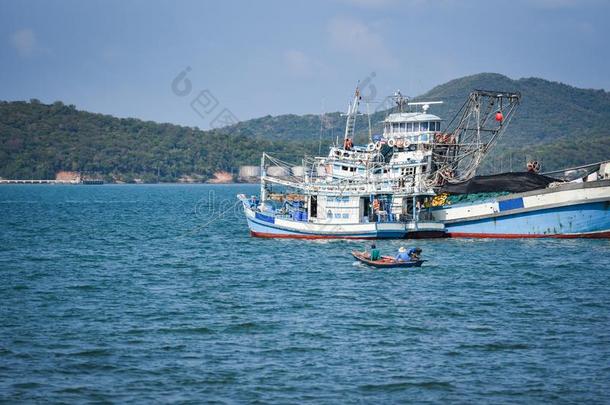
(414, 127)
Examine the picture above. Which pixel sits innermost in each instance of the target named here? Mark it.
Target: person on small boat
(402, 255)
(414, 253)
(375, 254)
(405, 255)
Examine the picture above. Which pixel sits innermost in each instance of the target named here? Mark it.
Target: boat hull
(385, 262)
(569, 211)
(268, 226)
(262, 229)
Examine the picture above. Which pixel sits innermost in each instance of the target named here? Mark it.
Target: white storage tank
(278, 171)
(298, 171)
(249, 171)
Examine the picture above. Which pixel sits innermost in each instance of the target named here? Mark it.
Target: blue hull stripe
(263, 227)
(265, 218)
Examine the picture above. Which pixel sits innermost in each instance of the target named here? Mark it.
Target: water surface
(123, 293)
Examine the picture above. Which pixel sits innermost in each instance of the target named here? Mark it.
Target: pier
(3, 181)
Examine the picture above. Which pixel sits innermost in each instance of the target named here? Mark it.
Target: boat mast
(263, 184)
(352, 112)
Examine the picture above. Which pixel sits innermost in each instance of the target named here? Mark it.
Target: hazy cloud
(555, 4)
(24, 41)
(368, 3)
(359, 40)
(300, 64)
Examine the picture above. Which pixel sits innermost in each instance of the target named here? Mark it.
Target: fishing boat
(358, 192)
(385, 261)
(578, 208)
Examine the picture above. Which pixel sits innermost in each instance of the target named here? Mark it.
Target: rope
(213, 219)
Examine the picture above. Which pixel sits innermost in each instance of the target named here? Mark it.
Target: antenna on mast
(368, 115)
(400, 100)
(322, 125)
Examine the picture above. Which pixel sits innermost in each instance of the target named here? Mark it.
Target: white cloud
(356, 38)
(24, 41)
(300, 64)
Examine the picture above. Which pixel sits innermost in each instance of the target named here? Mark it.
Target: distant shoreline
(130, 184)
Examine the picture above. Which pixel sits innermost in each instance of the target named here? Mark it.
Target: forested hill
(556, 123)
(38, 140)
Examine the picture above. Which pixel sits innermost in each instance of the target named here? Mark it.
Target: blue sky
(273, 57)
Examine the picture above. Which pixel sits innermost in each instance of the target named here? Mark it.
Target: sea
(157, 293)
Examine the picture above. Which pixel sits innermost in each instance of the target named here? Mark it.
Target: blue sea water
(121, 293)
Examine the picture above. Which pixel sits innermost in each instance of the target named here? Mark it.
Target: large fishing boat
(365, 192)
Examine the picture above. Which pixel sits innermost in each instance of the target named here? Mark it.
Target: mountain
(558, 124)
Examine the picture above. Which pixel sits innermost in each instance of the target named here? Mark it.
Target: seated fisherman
(375, 254)
(402, 255)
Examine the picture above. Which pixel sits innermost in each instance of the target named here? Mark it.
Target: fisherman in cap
(405, 255)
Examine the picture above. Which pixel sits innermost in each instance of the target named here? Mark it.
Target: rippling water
(123, 293)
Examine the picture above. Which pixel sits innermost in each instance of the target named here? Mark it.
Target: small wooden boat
(384, 261)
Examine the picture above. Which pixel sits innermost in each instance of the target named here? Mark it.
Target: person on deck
(375, 254)
(348, 144)
(376, 208)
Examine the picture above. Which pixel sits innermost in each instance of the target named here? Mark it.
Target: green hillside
(37, 140)
(556, 123)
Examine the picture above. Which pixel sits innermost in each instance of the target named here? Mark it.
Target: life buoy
(370, 147)
(391, 142)
(533, 167)
(406, 145)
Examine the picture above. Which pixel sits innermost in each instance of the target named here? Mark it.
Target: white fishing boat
(364, 192)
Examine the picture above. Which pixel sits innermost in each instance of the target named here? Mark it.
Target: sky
(190, 62)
